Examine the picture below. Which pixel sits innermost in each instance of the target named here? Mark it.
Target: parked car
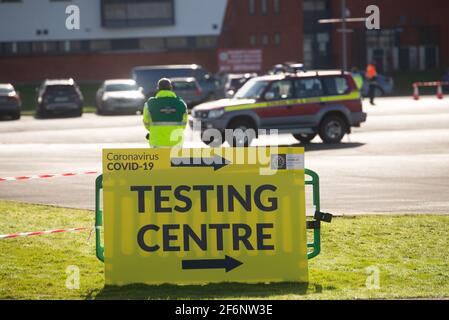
(234, 82)
(189, 90)
(120, 96)
(326, 103)
(147, 78)
(59, 97)
(384, 85)
(10, 103)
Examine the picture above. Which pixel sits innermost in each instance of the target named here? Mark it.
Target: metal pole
(344, 39)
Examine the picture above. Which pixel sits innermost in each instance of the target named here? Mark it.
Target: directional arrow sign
(216, 162)
(227, 263)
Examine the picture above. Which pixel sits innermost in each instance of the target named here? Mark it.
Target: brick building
(413, 35)
(116, 36)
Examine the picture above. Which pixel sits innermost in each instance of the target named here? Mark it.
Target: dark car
(122, 96)
(147, 78)
(188, 89)
(59, 97)
(324, 103)
(10, 103)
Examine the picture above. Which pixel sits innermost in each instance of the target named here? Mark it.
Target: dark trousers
(372, 90)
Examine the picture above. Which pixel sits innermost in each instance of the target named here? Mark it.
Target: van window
(184, 85)
(336, 85)
(253, 89)
(308, 88)
(148, 78)
(281, 90)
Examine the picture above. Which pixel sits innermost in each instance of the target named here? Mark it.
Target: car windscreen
(253, 89)
(60, 89)
(5, 90)
(121, 87)
(148, 78)
(184, 85)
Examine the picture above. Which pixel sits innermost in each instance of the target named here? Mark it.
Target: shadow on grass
(209, 291)
(323, 146)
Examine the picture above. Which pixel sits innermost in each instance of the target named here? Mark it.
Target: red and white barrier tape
(39, 233)
(430, 84)
(47, 176)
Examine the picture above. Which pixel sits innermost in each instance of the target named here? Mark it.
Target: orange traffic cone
(415, 91)
(440, 92)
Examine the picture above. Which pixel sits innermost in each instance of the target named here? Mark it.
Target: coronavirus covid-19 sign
(193, 216)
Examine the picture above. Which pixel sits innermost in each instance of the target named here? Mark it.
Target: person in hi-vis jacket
(165, 116)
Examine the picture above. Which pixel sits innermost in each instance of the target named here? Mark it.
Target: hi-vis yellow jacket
(165, 117)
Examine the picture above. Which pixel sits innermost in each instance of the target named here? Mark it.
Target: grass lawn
(410, 252)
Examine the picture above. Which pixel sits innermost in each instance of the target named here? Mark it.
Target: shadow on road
(210, 291)
(324, 146)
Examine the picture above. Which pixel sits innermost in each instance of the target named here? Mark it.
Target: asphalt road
(398, 162)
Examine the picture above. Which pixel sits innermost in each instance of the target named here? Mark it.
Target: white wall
(19, 21)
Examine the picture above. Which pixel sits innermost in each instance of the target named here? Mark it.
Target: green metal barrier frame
(315, 245)
(99, 249)
(315, 183)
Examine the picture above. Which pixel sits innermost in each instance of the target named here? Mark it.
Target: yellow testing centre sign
(192, 216)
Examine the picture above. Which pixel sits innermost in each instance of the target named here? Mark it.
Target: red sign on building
(240, 60)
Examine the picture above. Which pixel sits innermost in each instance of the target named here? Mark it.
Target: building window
(152, 44)
(208, 42)
(314, 5)
(177, 43)
(277, 6)
(8, 48)
(265, 40)
(277, 38)
(264, 7)
(78, 46)
(125, 44)
(252, 7)
(100, 45)
(52, 46)
(24, 47)
(38, 47)
(135, 13)
(253, 40)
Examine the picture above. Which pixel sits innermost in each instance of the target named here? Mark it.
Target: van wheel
(332, 129)
(305, 137)
(243, 133)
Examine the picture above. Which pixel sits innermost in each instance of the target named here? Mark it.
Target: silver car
(122, 96)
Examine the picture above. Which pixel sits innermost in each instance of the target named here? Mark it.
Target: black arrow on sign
(216, 162)
(227, 263)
